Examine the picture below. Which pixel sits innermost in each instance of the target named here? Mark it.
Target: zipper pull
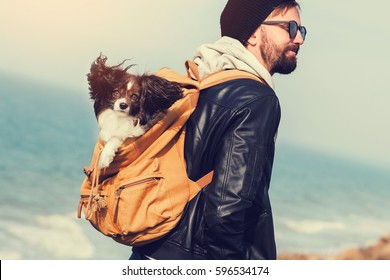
(118, 194)
(119, 191)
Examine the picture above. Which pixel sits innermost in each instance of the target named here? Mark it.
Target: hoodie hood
(228, 53)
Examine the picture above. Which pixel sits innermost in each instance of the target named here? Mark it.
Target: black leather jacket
(232, 131)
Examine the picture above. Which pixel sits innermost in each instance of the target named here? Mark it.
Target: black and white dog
(126, 105)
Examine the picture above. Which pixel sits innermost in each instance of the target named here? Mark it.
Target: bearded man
(233, 132)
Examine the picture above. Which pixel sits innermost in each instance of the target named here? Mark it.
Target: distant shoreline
(378, 251)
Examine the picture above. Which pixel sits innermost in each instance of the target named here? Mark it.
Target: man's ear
(254, 39)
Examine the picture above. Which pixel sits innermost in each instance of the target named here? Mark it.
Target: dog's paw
(138, 130)
(105, 135)
(105, 159)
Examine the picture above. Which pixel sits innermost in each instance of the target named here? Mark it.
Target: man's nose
(298, 39)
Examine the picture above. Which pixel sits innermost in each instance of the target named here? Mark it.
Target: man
(232, 132)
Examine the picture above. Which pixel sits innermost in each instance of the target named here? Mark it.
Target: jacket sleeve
(242, 160)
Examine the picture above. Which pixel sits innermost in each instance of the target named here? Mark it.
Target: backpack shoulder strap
(174, 76)
(218, 77)
(206, 179)
(227, 75)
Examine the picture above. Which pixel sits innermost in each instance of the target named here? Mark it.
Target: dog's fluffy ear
(104, 79)
(158, 94)
(98, 84)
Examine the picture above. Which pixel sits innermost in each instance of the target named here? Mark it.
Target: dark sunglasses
(293, 27)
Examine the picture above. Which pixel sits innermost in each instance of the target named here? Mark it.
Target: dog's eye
(134, 97)
(116, 94)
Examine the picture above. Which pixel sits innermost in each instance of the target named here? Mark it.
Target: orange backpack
(141, 196)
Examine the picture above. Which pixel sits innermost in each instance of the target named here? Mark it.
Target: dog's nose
(123, 106)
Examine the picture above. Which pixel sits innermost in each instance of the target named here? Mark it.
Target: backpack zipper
(143, 181)
(120, 189)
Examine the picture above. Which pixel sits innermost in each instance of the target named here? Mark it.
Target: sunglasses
(293, 27)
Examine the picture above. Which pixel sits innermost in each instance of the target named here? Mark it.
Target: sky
(336, 102)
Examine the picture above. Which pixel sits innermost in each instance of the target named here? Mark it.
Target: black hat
(241, 18)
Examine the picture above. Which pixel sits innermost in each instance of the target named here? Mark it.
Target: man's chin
(288, 66)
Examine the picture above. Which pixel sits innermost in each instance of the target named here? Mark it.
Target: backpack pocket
(141, 204)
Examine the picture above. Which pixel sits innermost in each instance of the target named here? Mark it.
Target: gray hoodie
(229, 53)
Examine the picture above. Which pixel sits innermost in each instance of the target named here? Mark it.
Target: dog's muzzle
(123, 106)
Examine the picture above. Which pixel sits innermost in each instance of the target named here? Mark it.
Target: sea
(321, 203)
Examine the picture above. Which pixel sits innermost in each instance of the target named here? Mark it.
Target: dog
(126, 105)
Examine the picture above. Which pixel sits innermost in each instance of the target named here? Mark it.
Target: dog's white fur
(115, 126)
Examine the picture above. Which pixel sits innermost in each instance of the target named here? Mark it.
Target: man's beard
(276, 58)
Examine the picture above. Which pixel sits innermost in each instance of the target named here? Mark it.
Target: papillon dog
(126, 105)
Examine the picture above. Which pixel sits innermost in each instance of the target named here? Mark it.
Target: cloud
(58, 235)
(312, 226)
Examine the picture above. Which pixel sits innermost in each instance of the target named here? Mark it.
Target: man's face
(279, 51)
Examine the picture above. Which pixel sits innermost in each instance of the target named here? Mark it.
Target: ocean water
(321, 204)
(325, 204)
